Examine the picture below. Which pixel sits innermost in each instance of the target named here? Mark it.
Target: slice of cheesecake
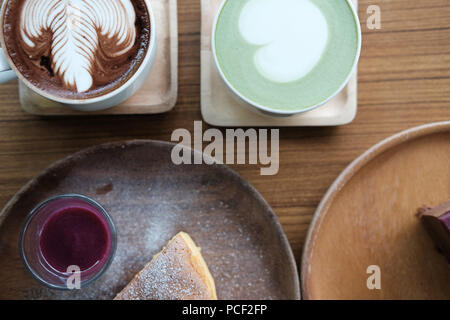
(178, 272)
(437, 222)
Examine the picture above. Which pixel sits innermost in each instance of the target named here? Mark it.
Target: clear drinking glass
(30, 241)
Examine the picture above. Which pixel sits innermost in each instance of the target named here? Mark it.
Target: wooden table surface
(404, 81)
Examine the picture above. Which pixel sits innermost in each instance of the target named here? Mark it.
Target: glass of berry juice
(68, 241)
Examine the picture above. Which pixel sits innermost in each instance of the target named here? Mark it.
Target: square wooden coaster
(220, 109)
(159, 92)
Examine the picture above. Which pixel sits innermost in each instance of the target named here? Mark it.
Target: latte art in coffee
(81, 30)
(286, 55)
(291, 34)
(76, 49)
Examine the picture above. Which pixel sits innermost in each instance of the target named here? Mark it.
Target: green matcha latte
(287, 55)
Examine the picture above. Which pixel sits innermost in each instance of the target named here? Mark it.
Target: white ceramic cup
(252, 105)
(8, 72)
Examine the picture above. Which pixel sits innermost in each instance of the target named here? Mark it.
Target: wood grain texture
(369, 217)
(404, 81)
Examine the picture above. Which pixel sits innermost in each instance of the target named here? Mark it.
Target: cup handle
(6, 73)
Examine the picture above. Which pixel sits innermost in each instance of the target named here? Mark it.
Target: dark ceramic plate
(150, 200)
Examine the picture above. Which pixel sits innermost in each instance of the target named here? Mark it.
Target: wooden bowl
(368, 218)
(151, 199)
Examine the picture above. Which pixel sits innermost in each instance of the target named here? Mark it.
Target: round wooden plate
(150, 200)
(368, 218)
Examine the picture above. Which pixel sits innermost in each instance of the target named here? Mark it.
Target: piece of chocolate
(437, 222)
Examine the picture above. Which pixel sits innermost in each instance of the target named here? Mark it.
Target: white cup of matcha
(285, 57)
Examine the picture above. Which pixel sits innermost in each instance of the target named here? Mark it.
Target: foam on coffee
(77, 48)
(292, 35)
(286, 54)
(76, 29)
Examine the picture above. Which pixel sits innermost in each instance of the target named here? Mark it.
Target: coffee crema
(76, 49)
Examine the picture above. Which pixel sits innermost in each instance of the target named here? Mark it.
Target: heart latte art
(291, 34)
(76, 26)
(286, 55)
(77, 48)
